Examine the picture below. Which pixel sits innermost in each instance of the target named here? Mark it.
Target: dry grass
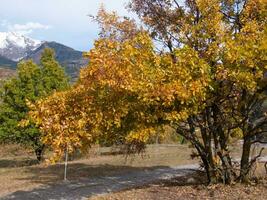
(17, 174)
(190, 188)
(6, 73)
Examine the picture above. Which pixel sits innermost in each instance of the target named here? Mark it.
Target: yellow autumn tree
(207, 82)
(231, 37)
(124, 94)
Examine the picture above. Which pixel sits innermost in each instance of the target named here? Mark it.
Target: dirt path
(85, 188)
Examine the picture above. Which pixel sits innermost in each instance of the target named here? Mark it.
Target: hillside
(70, 59)
(6, 73)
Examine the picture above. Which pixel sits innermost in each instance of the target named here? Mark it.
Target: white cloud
(27, 28)
(24, 29)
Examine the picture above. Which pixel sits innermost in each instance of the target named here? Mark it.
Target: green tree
(31, 83)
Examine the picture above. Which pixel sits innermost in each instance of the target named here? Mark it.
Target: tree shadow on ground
(79, 171)
(87, 180)
(8, 163)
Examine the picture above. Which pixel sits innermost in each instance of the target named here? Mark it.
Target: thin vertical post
(66, 163)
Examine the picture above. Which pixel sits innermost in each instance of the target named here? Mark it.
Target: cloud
(24, 29)
(28, 27)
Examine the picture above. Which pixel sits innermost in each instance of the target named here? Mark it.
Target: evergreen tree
(31, 83)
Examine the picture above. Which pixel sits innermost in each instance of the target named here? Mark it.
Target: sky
(63, 21)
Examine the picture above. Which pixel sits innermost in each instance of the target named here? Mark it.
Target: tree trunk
(220, 141)
(210, 170)
(245, 163)
(39, 153)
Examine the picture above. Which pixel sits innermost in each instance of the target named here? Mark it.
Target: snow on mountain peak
(16, 46)
(17, 40)
(3, 42)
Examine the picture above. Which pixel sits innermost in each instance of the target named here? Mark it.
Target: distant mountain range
(15, 47)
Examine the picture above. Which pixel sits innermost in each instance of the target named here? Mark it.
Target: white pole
(66, 164)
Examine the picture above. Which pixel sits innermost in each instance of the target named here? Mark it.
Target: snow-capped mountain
(15, 46)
